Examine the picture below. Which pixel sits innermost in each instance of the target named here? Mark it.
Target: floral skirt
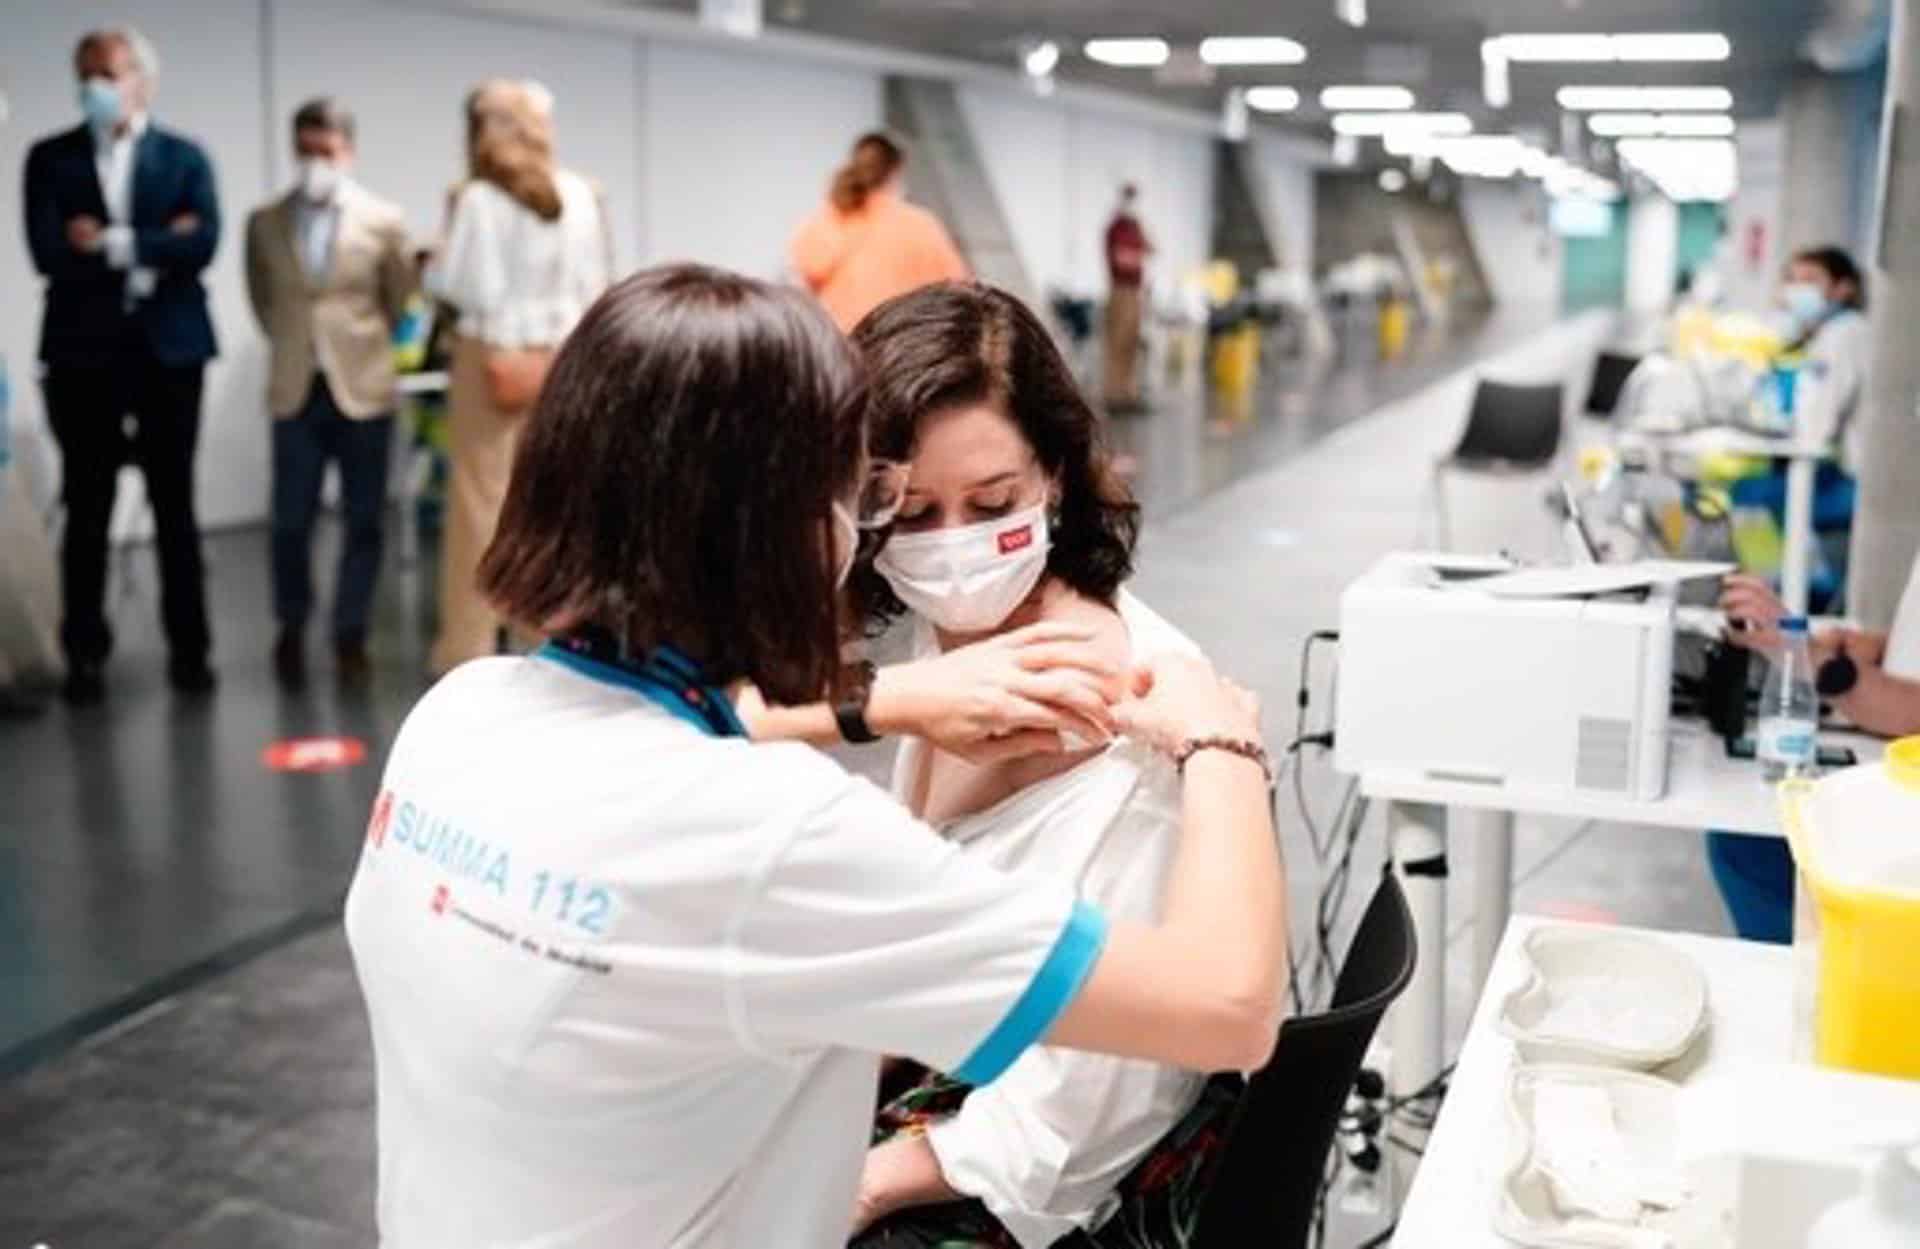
(1159, 1200)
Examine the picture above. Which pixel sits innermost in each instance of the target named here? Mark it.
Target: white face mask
(319, 179)
(970, 579)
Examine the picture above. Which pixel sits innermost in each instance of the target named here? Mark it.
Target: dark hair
(324, 113)
(962, 343)
(1837, 263)
(876, 157)
(675, 481)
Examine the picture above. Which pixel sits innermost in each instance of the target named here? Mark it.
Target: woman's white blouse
(1044, 1146)
(519, 281)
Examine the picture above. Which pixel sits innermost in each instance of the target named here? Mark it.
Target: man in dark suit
(121, 220)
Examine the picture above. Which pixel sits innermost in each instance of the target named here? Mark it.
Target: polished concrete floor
(188, 1057)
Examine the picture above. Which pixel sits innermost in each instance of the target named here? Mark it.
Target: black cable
(1381, 1239)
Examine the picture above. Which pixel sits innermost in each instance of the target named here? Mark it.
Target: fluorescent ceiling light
(1352, 12)
(1685, 169)
(1336, 99)
(1252, 50)
(1679, 125)
(1402, 123)
(1644, 99)
(1672, 47)
(1496, 83)
(1127, 53)
(1689, 46)
(1041, 58)
(1613, 125)
(1273, 99)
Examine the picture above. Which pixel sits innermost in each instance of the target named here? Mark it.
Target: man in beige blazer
(330, 270)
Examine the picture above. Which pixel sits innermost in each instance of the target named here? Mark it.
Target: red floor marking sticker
(314, 754)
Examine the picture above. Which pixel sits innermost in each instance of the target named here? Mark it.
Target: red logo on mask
(442, 896)
(382, 815)
(1016, 539)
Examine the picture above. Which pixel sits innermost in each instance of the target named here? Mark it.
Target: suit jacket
(341, 326)
(87, 321)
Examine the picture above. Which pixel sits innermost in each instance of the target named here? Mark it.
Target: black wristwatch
(851, 712)
(1837, 677)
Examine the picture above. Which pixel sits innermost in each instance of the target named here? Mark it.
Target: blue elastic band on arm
(1056, 983)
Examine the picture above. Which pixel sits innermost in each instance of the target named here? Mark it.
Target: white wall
(1521, 255)
(1754, 249)
(1057, 168)
(1653, 243)
(1284, 183)
(706, 152)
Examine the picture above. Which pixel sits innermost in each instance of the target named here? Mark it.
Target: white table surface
(1451, 1203)
(1705, 789)
(1725, 440)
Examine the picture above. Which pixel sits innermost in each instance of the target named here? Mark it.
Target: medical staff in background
(1014, 516)
(1871, 678)
(1826, 303)
(629, 963)
(122, 220)
(867, 244)
(330, 270)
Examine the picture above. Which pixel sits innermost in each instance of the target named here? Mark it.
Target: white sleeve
(117, 243)
(1059, 1132)
(864, 930)
(469, 271)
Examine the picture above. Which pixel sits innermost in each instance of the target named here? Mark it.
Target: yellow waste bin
(1856, 840)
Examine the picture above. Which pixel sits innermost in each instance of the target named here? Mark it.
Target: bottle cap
(1793, 624)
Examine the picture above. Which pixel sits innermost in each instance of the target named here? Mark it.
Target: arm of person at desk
(1879, 702)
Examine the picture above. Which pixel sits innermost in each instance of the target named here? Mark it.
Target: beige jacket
(343, 326)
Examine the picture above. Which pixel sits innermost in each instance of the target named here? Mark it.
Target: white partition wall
(1023, 144)
(739, 147)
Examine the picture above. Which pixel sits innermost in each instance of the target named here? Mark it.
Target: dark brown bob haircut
(957, 344)
(675, 481)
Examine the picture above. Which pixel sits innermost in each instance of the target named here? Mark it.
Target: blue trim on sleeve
(1056, 983)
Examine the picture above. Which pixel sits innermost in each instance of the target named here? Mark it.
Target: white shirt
(1903, 639)
(517, 280)
(627, 980)
(113, 159)
(315, 223)
(1044, 1146)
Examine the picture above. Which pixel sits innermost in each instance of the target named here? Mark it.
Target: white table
(1750, 996)
(1705, 790)
(1803, 459)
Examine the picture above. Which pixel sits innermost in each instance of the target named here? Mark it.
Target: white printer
(1473, 670)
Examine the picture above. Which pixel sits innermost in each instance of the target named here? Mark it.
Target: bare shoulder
(1060, 604)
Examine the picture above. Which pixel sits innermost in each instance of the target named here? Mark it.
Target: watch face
(1836, 677)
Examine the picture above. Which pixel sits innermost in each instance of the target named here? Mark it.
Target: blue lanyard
(667, 678)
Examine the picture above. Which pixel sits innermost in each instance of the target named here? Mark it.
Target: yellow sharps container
(1856, 840)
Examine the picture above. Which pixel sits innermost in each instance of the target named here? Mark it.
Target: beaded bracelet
(1231, 745)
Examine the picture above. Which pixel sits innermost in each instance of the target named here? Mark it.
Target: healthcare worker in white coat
(629, 966)
(1826, 301)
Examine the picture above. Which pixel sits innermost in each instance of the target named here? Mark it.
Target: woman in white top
(629, 970)
(1013, 516)
(526, 250)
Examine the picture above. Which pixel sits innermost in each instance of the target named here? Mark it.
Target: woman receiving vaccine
(629, 970)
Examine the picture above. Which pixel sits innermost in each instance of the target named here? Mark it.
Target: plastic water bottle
(1789, 709)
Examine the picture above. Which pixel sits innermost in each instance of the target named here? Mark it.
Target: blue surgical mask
(1806, 303)
(101, 102)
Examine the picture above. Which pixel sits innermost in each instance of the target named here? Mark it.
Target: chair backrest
(1267, 1179)
(1610, 373)
(1511, 425)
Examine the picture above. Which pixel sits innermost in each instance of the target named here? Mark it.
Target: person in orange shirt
(867, 244)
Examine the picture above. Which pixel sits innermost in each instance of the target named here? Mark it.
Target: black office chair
(1509, 429)
(1267, 1180)
(1610, 373)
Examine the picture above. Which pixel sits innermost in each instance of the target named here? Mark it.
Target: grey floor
(189, 1058)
